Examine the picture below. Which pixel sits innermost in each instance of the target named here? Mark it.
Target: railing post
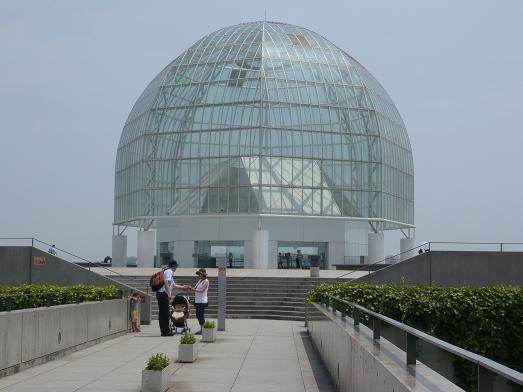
(333, 304)
(343, 311)
(101, 295)
(8, 303)
(411, 349)
(356, 316)
(77, 294)
(49, 300)
(306, 314)
(501, 247)
(485, 379)
(120, 294)
(376, 324)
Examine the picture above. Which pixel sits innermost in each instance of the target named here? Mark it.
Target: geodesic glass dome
(268, 118)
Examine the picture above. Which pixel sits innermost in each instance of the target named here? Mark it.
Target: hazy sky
(70, 72)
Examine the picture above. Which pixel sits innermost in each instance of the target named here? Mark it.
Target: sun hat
(173, 264)
(202, 272)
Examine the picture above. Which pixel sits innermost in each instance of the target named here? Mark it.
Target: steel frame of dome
(265, 118)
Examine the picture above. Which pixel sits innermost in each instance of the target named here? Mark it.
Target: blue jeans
(200, 312)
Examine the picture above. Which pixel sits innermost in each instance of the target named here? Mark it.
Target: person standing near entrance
(298, 259)
(200, 297)
(163, 295)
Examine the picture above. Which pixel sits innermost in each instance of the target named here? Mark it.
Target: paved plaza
(251, 355)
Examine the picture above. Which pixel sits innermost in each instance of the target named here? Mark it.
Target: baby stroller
(179, 314)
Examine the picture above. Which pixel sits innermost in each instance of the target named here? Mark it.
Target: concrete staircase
(274, 298)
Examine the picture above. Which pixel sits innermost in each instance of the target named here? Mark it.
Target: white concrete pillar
(119, 251)
(260, 249)
(407, 250)
(146, 245)
(376, 247)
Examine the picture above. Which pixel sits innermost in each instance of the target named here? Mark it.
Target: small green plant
(157, 362)
(188, 339)
(209, 324)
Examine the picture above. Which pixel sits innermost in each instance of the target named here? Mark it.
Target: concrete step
(263, 298)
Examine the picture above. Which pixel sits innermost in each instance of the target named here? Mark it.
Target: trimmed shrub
(35, 295)
(487, 320)
(157, 362)
(188, 339)
(209, 324)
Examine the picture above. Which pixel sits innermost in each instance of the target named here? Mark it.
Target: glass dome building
(255, 134)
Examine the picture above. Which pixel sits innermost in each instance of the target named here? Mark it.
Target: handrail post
(376, 324)
(120, 293)
(77, 294)
(485, 379)
(411, 349)
(8, 303)
(343, 311)
(356, 316)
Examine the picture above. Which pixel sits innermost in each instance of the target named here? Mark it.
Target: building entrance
(208, 253)
(299, 255)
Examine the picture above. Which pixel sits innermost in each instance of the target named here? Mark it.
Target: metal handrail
(366, 266)
(36, 240)
(427, 246)
(412, 334)
(500, 244)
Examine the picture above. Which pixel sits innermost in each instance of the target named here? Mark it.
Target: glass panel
(191, 143)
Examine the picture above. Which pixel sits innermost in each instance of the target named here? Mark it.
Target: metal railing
(70, 257)
(486, 368)
(435, 246)
(473, 246)
(49, 297)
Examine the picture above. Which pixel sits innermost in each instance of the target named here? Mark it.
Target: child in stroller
(179, 312)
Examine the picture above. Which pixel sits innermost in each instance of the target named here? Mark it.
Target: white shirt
(200, 298)
(168, 275)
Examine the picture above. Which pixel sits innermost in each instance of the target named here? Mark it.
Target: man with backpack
(163, 295)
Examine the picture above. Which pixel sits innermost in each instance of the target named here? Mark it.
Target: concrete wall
(28, 336)
(357, 363)
(17, 266)
(454, 269)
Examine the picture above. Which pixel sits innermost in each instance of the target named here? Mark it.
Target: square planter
(156, 380)
(187, 352)
(209, 335)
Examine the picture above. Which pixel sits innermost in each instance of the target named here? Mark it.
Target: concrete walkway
(252, 355)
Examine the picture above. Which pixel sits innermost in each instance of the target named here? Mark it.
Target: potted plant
(209, 332)
(157, 374)
(187, 349)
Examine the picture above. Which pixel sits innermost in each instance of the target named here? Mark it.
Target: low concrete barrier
(32, 336)
(358, 363)
(17, 266)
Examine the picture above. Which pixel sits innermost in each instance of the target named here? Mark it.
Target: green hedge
(61, 294)
(487, 321)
